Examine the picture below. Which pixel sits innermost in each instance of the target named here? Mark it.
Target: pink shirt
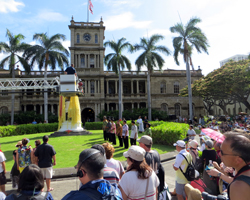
(113, 128)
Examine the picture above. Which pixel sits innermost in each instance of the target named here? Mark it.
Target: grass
(68, 148)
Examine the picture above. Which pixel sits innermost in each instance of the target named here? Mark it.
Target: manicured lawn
(67, 147)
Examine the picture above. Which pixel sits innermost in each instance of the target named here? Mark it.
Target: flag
(90, 7)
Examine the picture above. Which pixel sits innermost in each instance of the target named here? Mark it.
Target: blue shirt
(70, 70)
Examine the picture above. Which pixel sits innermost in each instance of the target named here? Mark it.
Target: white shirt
(191, 133)
(135, 188)
(115, 164)
(133, 132)
(2, 159)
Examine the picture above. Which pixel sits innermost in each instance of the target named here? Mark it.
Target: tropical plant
(14, 47)
(151, 59)
(189, 36)
(51, 53)
(117, 62)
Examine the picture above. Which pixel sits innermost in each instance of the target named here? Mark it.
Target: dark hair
(125, 121)
(191, 126)
(144, 171)
(24, 141)
(31, 178)
(37, 142)
(99, 148)
(94, 165)
(240, 144)
(133, 122)
(109, 149)
(45, 138)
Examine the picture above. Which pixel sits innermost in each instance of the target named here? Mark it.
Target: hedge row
(27, 129)
(169, 132)
(98, 125)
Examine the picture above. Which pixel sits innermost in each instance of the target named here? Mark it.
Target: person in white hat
(181, 162)
(140, 181)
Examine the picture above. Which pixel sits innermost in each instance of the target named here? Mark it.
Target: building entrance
(88, 115)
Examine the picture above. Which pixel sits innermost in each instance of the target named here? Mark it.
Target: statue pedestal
(70, 133)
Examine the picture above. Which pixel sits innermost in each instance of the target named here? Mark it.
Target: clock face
(87, 37)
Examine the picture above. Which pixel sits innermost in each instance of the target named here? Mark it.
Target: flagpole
(88, 11)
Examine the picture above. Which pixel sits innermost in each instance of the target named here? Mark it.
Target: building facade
(235, 58)
(101, 87)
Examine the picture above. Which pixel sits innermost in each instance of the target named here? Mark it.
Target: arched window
(96, 38)
(177, 109)
(82, 62)
(163, 87)
(164, 107)
(78, 38)
(3, 110)
(92, 87)
(176, 87)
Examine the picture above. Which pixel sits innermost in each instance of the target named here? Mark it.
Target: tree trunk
(13, 98)
(189, 91)
(120, 94)
(45, 97)
(149, 97)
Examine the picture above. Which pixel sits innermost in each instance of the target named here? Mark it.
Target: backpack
(198, 163)
(40, 196)
(190, 171)
(94, 194)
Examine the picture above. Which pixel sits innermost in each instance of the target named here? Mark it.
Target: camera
(207, 196)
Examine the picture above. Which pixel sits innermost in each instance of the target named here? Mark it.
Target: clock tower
(87, 51)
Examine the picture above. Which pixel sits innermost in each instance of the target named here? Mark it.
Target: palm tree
(117, 62)
(189, 36)
(49, 53)
(13, 48)
(151, 59)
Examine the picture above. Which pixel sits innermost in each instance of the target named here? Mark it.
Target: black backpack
(198, 165)
(190, 171)
(40, 196)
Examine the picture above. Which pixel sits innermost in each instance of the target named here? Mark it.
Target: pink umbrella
(219, 137)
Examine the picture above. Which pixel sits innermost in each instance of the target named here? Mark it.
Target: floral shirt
(24, 156)
(113, 128)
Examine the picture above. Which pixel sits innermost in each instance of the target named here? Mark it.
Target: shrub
(169, 132)
(27, 129)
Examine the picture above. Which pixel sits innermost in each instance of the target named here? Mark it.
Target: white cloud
(10, 6)
(121, 3)
(47, 15)
(66, 44)
(124, 20)
(164, 32)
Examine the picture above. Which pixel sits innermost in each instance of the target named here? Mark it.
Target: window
(4, 92)
(92, 87)
(96, 38)
(176, 87)
(163, 87)
(82, 62)
(92, 61)
(177, 110)
(78, 38)
(3, 110)
(164, 107)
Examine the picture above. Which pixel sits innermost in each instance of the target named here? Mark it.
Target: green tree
(50, 52)
(13, 48)
(151, 59)
(189, 36)
(226, 85)
(117, 62)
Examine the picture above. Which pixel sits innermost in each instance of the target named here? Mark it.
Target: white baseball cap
(180, 143)
(135, 152)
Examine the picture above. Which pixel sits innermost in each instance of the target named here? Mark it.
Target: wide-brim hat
(19, 143)
(135, 152)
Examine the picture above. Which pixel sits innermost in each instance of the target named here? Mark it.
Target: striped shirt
(111, 175)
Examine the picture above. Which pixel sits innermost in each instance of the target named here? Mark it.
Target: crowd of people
(221, 168)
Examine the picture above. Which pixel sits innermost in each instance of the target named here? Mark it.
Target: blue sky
(225, 23)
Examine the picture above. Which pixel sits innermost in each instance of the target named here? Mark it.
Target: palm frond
(178, 28)
(4, 62)
(163, 49)
(154, 39)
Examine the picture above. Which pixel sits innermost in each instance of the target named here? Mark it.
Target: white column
(88, 60)
(132, 105)
(95, 112)
(85, 86)
(132, 88)
(115, 87)
(95, 61)
(79, 65)
(41, 109)
(116, 106)
(89, 87)
(138, 105)
(52, 109)
(85, 61)
(107, 106)
(98, 83)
